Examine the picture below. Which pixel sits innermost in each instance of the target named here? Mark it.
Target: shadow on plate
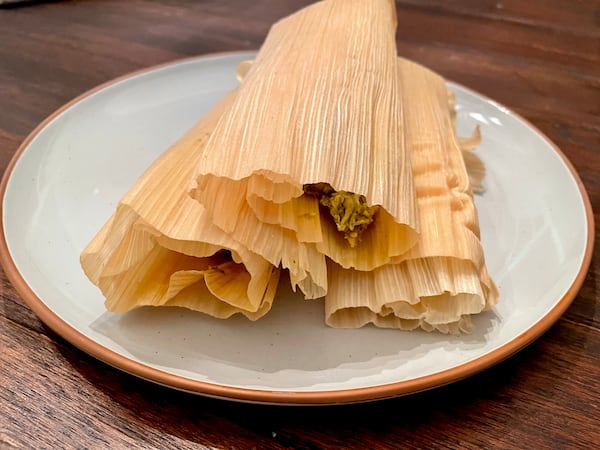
(290, 342)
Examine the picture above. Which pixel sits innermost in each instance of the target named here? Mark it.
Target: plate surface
(69, 174)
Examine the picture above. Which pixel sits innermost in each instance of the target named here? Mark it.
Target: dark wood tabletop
(540, 58)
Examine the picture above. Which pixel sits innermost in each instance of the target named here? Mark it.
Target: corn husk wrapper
(443, 280)
(475, 166)
(160, 248)
(320, 104)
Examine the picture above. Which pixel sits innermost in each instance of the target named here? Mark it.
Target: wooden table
(541, 58)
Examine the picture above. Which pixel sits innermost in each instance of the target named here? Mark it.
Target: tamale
(443, 280)
(160, 249)
(319, 105)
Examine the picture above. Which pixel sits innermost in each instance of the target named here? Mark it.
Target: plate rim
(265, 396)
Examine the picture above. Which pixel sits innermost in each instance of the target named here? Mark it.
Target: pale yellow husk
(319, 105)
(475, 166)
(159, 248)
(443, 280)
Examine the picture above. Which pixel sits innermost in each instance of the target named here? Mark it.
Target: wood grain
(540, 58)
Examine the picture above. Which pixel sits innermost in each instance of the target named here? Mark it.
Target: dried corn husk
(442, 280)
(474, 165)
(160, 248)
(319, 105)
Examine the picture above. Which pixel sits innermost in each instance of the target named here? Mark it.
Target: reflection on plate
(67, 177)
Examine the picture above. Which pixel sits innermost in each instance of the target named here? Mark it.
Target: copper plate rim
(376, 392)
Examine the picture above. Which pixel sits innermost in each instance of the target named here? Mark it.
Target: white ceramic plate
(67, 177)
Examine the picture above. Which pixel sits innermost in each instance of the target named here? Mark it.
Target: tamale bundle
(316, 127)
(160, 249)
(335, 161)
(442, 280)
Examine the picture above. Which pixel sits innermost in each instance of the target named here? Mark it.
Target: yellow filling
(349, 211)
